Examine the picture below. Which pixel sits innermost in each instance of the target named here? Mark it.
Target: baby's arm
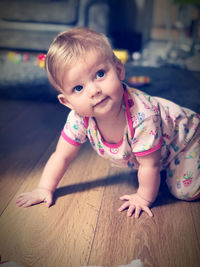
(53, 172)
(149, 182)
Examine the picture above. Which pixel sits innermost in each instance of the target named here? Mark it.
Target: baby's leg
(183, 174)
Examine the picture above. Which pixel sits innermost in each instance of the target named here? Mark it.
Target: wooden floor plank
(167, 239)
(195, 209)
(61, 235)
(23, 141)
(10, 109)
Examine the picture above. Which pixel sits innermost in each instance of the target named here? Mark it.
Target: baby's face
(92, 86)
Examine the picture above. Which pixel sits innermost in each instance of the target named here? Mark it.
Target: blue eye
(100, 74)
(78, 88)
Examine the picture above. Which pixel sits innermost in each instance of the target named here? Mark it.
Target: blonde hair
(68, 46)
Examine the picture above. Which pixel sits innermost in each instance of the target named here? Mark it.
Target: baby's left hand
(135, 203)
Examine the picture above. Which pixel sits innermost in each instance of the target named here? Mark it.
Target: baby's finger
(148, 211)
(137, 212)
(22, 195)
(19, 197)
(130, 210)
(20, 202)
(125, 197)
(124, 206)
(23, 204)
(27, 204)
(49, 201)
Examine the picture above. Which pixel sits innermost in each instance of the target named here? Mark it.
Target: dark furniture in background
(32, 25)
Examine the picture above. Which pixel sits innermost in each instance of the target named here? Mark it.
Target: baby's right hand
(35, 197)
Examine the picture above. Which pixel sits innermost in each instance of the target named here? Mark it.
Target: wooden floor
(83, 227)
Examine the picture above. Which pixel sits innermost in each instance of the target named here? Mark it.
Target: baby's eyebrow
(102, 66)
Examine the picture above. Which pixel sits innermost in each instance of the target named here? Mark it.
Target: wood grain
(23, 141)
(167, 239)
(39, 236)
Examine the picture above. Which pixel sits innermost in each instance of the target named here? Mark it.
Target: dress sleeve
(74, 131)
(147, 136)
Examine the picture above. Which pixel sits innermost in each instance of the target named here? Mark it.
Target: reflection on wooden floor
(83, 227)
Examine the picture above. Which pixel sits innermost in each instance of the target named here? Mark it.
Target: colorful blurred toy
(123, 55)
(139, 80)
(18, 57)
(41, 60)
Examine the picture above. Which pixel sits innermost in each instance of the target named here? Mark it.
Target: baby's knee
(185, 187)
(186, 196)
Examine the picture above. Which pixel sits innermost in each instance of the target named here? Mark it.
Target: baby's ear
(120, 69)
(63, 100)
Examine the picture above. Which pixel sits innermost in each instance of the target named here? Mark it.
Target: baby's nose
(94, 90)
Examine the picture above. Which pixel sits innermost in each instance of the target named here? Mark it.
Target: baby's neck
(112, 129)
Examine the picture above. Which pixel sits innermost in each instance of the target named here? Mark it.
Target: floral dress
(152, 123)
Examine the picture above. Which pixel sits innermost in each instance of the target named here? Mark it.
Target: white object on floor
(134, 263)
(9, 264)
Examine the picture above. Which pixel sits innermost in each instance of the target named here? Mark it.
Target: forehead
(83, 65)
(89, 57)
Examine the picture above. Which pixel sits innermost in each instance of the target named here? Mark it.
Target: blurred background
(148, 33)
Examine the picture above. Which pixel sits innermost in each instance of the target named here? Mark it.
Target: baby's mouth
(101, 101)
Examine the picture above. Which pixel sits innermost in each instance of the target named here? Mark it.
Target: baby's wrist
(145, 198)
(45, 188)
